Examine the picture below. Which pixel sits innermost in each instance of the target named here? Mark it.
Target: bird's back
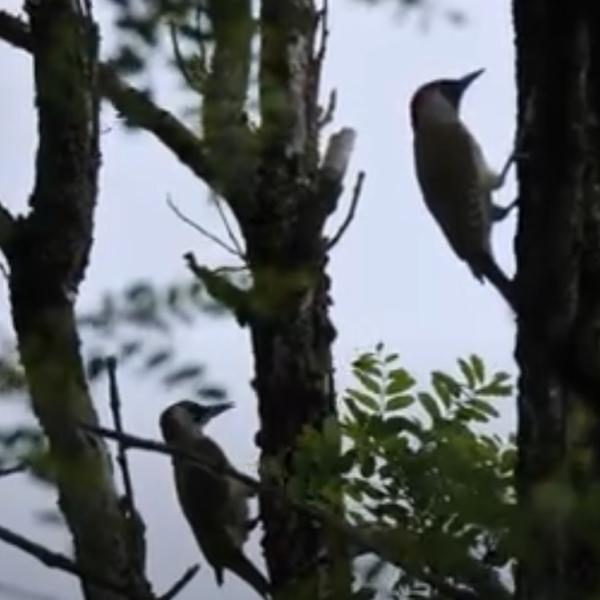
(450, 169)
(214, 512)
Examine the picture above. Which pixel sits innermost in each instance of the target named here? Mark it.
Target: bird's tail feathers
(244, 569)
(486, 267)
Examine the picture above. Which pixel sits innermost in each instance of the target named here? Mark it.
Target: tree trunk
(292, 334)
(48, 252)
(558, 299)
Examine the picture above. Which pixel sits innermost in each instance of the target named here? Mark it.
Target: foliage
(142, 24)
(138, 327)
(428, 10)
(421, 472)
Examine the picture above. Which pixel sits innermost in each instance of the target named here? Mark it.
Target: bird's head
(440, 99)
(187, 418)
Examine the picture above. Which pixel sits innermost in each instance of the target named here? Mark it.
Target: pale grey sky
(394, 278)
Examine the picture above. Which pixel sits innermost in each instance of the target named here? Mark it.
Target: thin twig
(225, 269)
(180, 583)
(10, 470)
(324, 22)
(201, 229)
(201, 43)
(135, 527)
(115, 407)
(217, 202)
(55, 560)
(351, 212)
(329, 112)
(180, 60)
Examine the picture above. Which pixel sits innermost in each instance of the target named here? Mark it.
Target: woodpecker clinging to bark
(215, 506)
(454, 177)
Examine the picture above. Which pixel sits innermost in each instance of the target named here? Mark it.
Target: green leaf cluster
(420, 469)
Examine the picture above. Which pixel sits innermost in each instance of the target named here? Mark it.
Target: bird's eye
(196, 417)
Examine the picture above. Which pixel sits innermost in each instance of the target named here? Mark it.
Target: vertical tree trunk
(558, 300)
(291, 330)
(48, 252)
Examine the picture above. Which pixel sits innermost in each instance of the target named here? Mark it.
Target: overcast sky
(394, 277)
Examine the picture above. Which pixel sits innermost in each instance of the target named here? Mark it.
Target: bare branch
(55, 560)
(180, 60)
(324, 23)
(327, 115)
(115, 407)
(221, 289)
(351, 212)
(141, 111)
(201, 229)
(180, 583)
(217, 201)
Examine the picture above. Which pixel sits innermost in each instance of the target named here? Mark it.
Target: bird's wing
(448, 162)
(203, 492)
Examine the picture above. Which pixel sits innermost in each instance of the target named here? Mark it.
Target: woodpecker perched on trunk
(215, 506)
(455, 179)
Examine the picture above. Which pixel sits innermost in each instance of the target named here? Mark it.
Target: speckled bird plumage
(454, 177)
(215, 506)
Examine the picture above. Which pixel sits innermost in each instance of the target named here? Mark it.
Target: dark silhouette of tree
(558, 298)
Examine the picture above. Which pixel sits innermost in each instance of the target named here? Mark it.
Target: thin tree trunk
(292, 333)
(48, 252)
(281, 196)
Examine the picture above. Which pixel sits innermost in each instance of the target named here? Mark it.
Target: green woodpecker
(214, 504)
(455, 180)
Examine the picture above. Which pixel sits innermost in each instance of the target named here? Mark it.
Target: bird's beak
(217, 409)
(467, 80)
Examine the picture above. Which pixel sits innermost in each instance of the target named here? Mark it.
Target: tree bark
(281, 196)
(47, 253)
(558, 300)
(282, 219)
